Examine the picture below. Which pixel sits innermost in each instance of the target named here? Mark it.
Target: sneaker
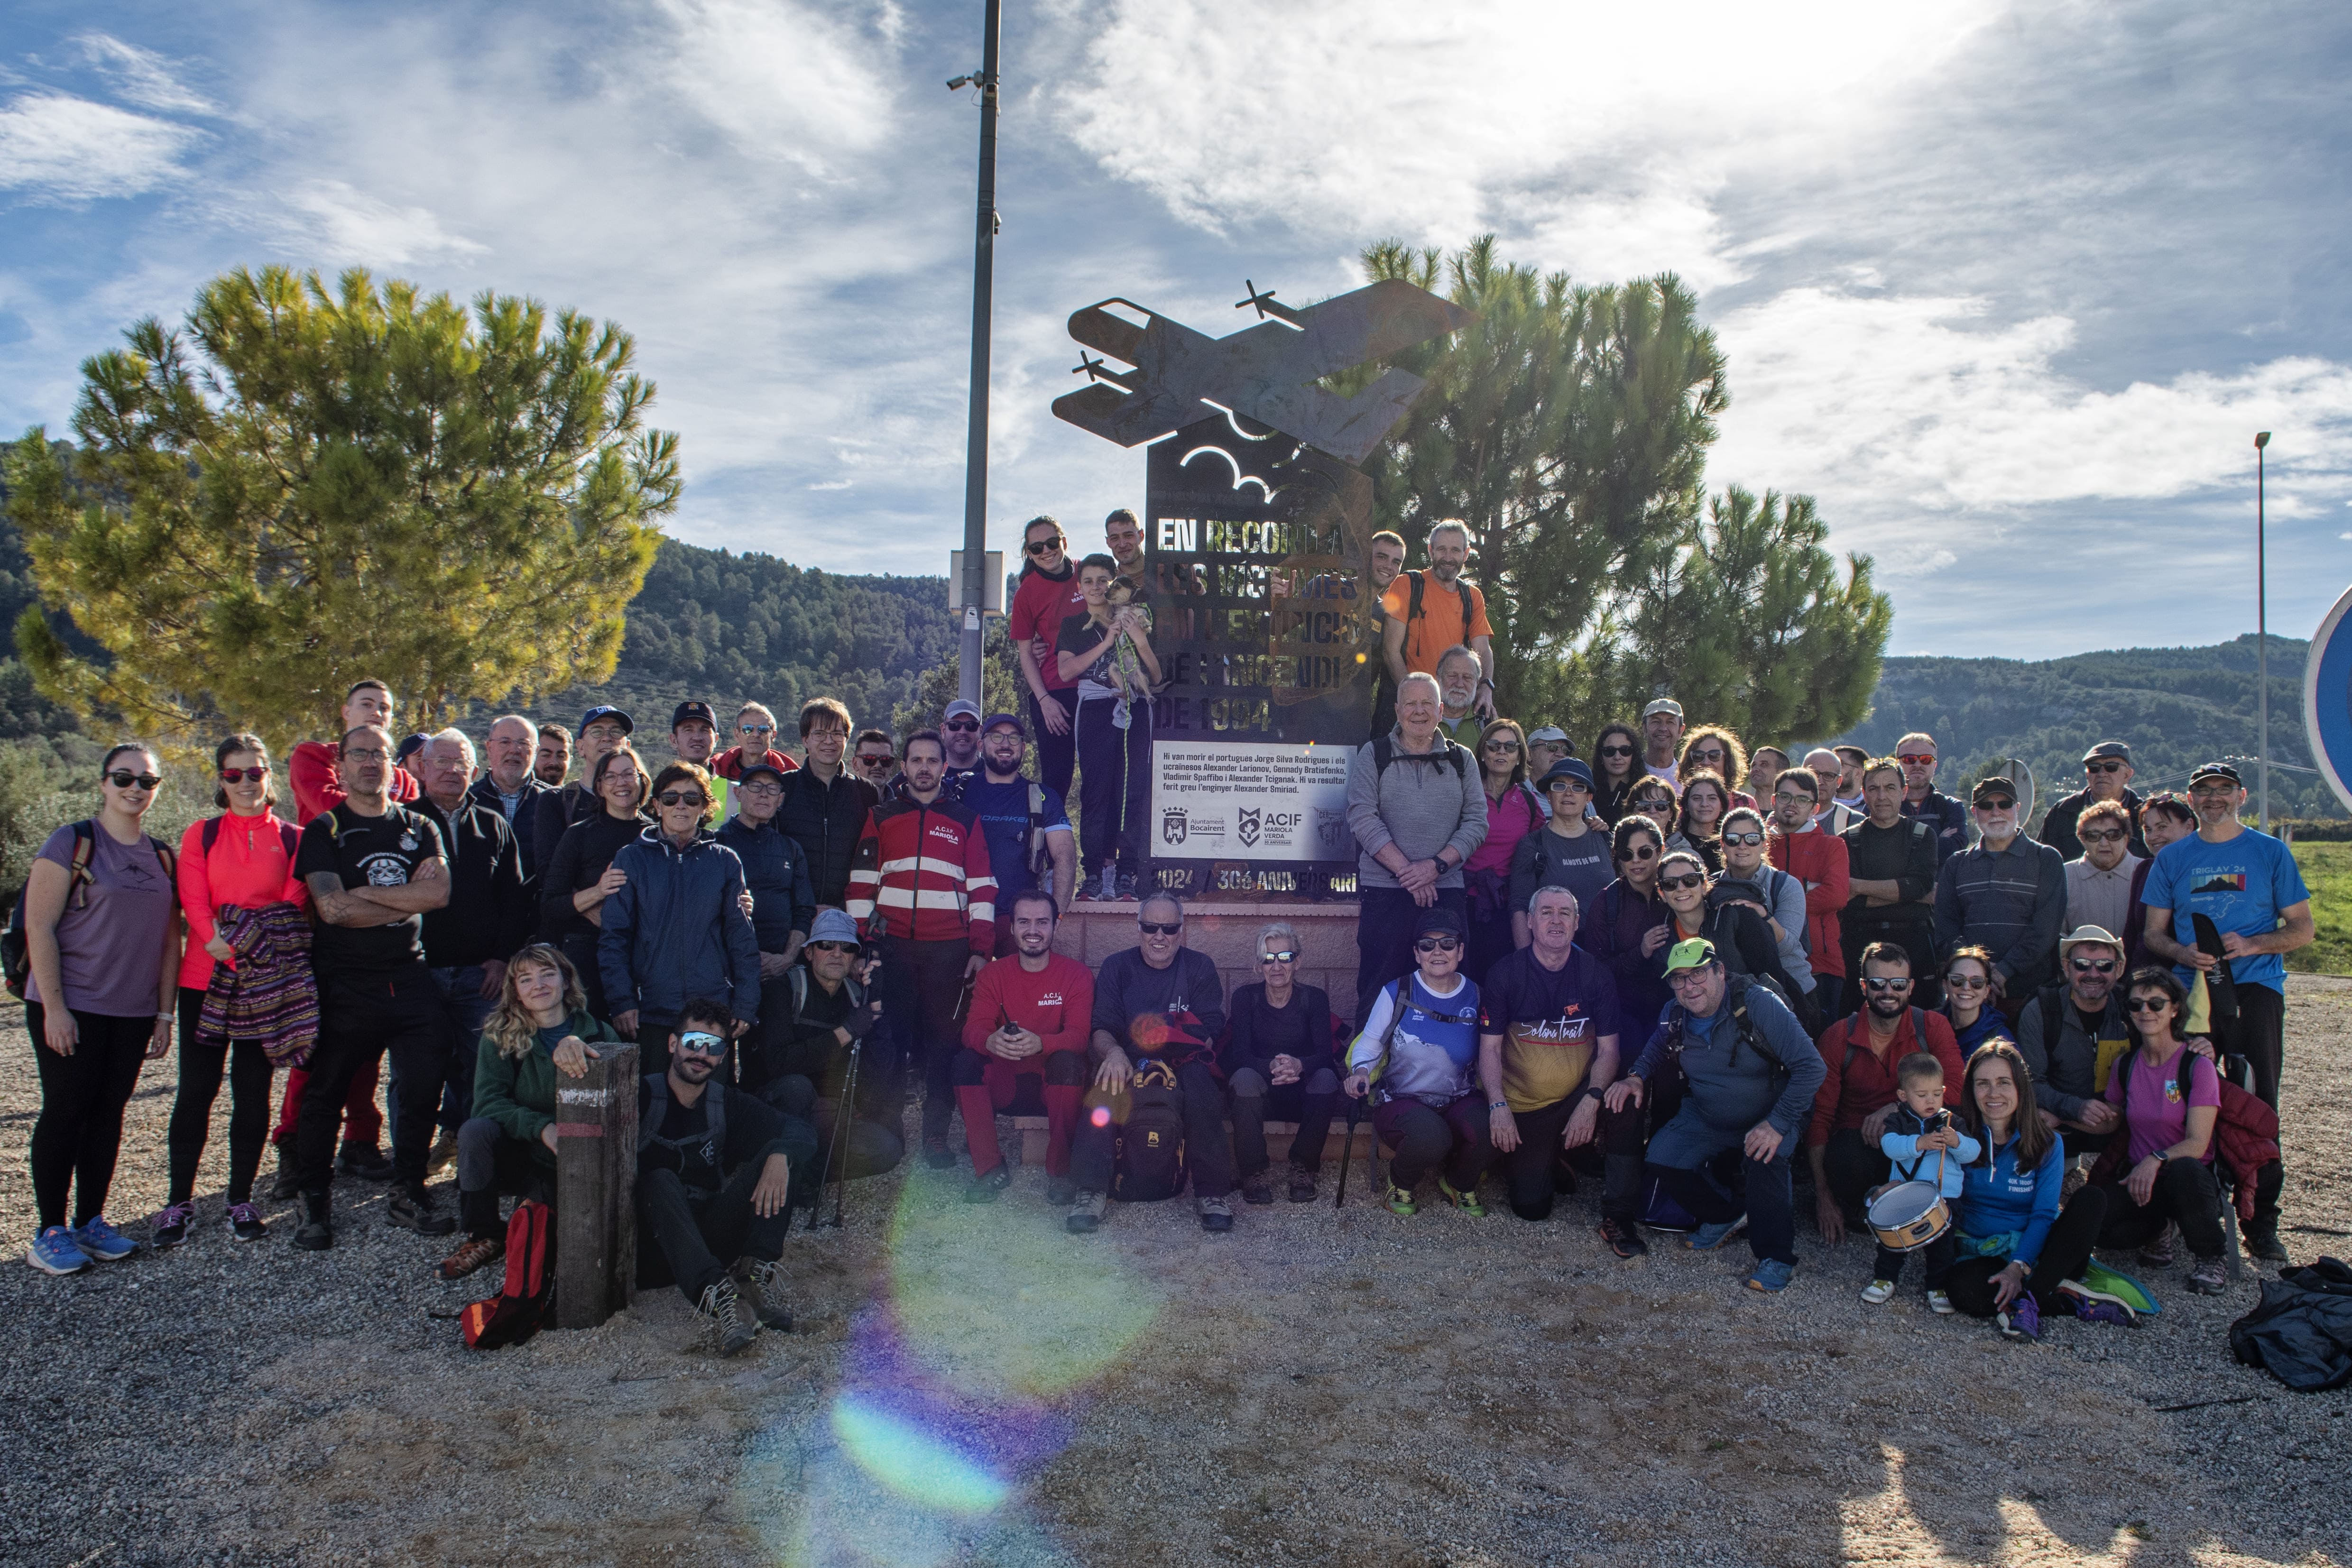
(1940, 1303)
(1129, 882)
(1467, 1202)
(54, 1252)
(2095, 1306)
(1624, 1237)
(1087, 1212)
(2022, 1320)
(1771, 1275)
(474, 1252)
(1109, 884)
(1302, 1186)
(2266, 1247)
(2210, 1276)
(442, 1154)
(102, 1241)
(1878, 1292)
(411, 1209)
(1707, 1237)
(171, 1226)
(758, 1281)
(1258, 1190)
(2157, 1254)
(317, 1231)
(723, 1309)
(245, 1222)
(1060, 1190)
(937, 1154)
(1400, 1201)
(985, 1187)
(368, 1164)
(1216, 1214)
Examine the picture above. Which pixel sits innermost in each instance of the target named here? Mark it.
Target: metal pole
(975, 466)
(2263, 626)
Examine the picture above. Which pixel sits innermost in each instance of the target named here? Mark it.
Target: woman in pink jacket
(244, 857)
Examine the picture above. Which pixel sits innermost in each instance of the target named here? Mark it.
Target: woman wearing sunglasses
(1416, 1058)
(102, 943)
(242, 858)
(1616, 768)
(1627, 926)
(1654, 797)
(1777, 898)
(1514, 810)
(1281, 1059)
(2169, 1096)
(1742, 938)
(579, 875)
(1712, 749)
(1968, 1000)
(677, 928)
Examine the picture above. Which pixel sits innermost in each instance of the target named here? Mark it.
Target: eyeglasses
(1676, 884)
(2102, 836)
(764, 729)
(2110, 766)
(2213, 792)
(679, 797)
(1502, 744)
(966, 725)
(1286, 955)
(1579, 786)
(2092, 965)
(1966, 982)
(830, 947)
(763, 789)
(1794, 797)
(2147, 1004)
(1639, 852)
(230, 775)
(1915, 760)
(1436, 944)
(1616, 751)
(701, 1043)
(1887, 983)
(123, 778)
(1161, 927)
(1042, 546)
(1748, 838)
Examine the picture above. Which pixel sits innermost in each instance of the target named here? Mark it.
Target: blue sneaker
(102, 1241)
(54, 1252)
(1771, 1275)
(1707, 1237)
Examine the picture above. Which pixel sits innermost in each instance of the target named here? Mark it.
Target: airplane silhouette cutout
(1267, 372)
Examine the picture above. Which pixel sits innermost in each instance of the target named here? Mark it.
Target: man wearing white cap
(1662, 738)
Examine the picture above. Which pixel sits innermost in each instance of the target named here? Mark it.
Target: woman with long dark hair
(1616, 766)
(1629, 925)
(2170, 1095)
(1706, 800)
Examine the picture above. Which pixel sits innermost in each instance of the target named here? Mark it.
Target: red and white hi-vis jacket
(924, 869)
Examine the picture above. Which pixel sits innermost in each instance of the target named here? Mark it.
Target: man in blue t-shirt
(1024, 822)
(2248, 884)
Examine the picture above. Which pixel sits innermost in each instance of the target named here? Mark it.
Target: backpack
(16, 955)
(1150, 1153)
(1384, 751)
(288, 835)
(1473, 604)
(714, 1121)
(526, 1303)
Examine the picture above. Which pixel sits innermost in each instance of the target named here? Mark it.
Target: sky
(2006, 289)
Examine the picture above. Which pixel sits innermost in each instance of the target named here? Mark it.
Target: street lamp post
(2263, 626)
(984, 268)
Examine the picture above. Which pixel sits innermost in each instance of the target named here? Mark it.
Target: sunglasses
(2103, 836)
(1676, 884)
(1639, 852)
(1996, 804)
(679, 797)
(831, 947)
(1161, 927)
(701, 1043)
(2092, 965)
(1654, 803)
(1286, 955)
(1712, 754)
(766, 729)
(1616, 751)
(967, 725)
(1748, 838)
(1883, 983)
(1042, 546)
(1966, 982)
(1436, 944)
(1915, 760)
(230, 775)
(2109, 766)
(1502, 745)
(123, 778)
(2147, 1004)
(876, 760)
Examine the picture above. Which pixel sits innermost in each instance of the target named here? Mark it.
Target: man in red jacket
(920, 882)
(1816, 858)
(310, 767)
(1026, 1035)
(1851, 1109)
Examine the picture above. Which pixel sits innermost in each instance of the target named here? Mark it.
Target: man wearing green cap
(1749, 1075)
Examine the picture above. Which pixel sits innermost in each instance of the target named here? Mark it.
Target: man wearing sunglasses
(1916, 753)
(2106, 775)
(798, 1058)
(2006, 894)
(714, 1181)
(1806, 851)
(876, 760)
(2071, 1033)
(675, 927)
(1047, 595)
(755, 738)
(960, 732)
(1859, 1090)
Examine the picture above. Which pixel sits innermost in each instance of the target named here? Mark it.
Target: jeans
(248, 1070)
(1208, 1152)
(358, 1024)
(690, 1238)
(2187, 1193)
(79, 1133)
(1422, 1138)
(464, 1011)
(490, 1164)
(1118, 764)
(922, 986)
(2066, 1252)
(1311, 1103)
(1677, 1158)
(1385, 918)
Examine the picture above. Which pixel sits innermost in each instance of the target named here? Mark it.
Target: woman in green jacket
(541, 1027)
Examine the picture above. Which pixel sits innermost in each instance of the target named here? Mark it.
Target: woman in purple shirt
(103, 942)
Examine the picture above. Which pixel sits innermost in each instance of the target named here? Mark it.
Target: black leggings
(79, 1130)
(2185, 1192)
(2065, 1253)
(201, 1066)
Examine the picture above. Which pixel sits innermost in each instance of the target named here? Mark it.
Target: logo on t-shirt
(1050, 999)
(386, 871)
(2217, 882)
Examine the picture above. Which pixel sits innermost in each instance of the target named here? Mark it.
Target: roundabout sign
(2328, 697)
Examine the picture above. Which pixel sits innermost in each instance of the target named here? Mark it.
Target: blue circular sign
(2328, 697)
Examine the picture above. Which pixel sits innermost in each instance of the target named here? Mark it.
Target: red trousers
(362, 1122)
(985, 1085)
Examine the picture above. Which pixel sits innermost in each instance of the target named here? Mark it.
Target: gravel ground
(972, 1385)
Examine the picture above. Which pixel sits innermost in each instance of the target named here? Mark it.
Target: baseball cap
(2108, 749)
(692, 709)
(606, 710)
(832, 925)
(2215, 771)
(1697, 952)
(1664, 705)
(411, 746)
(1550, 732)
(2086, 934)
(1438, 921)
(962, 706)
(1997, 784)
(751, 769)
(993, 719)
(1567, 768)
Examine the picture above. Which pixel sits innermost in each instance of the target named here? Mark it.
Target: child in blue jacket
(1925, 1146)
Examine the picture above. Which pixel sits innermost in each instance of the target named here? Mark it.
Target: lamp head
(2262, 439)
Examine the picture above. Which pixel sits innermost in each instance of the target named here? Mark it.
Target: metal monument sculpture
(1257, 533)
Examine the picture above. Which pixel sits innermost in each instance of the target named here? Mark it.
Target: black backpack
(1384, 751)
(16, 956)
(714, 1123)
(1150, 1164)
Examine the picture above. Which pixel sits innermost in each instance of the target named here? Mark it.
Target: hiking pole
(1348, 1155)
(844, 1108)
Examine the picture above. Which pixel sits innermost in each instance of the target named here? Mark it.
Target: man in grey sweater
(1418, 809)
(2007, 895)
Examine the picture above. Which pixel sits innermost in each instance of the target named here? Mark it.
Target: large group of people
(1670, 964)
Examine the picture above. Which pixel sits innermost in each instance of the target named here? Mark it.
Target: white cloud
(351, 227)
(790, 82)
(71, 149)
(142, 75)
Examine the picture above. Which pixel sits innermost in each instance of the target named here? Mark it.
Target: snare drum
(1908, 1216)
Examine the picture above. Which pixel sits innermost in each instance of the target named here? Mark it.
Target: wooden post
(595, 1190)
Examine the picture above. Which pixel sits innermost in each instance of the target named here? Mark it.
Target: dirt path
(970, 1384)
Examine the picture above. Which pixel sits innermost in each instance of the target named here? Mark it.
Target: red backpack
(527, 1303)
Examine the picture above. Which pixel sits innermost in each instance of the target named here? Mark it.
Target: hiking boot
(1087, 1212)
(2022, 1320)
(2078, 1178)
(1878, 1292)
(1771, 1275)
(1060, 1190)
(1258, 1190)
(1467, 1202)
(985, 1187)
(442, 1154)
(102, 1241)
(2157, 1253)
(245, 1221)
(2210, 1276)
(317, 1231)
(54, 1252)
(288, 1186)
(412, 1209)
(760, 1283)
(2266, 1247)
(2095, 1306)
(1940, 1303)
(369, 1164)
(1216, 1213)
(171, 1226)
(1302, 1186)
(1707, 1237)
(1624, 1237)
(474, 1252)
(936, 1152)
(1400, 1201)
(723, 1309)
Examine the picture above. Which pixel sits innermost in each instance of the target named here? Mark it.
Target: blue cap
(832, 925)
(606, 710)
(1567, 768)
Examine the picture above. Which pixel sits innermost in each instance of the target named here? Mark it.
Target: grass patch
(2328, 871)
